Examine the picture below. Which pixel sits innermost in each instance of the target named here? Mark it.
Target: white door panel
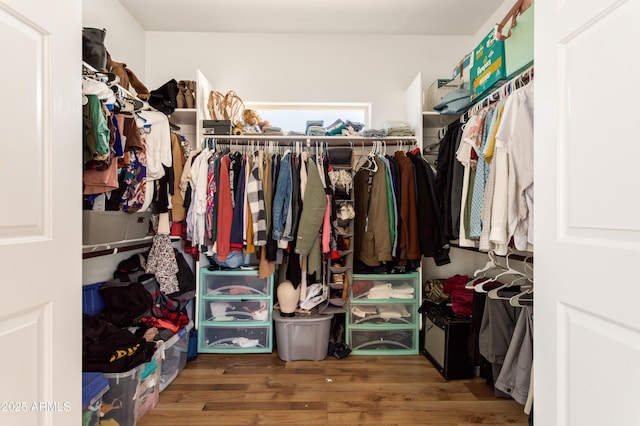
(587, 331)
(24, 116)
(40, 235)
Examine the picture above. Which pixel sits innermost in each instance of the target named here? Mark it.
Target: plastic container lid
(94, 385)
(313, 317)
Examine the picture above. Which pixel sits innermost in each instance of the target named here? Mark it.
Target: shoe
(180, 96)
(164, 98)
(190, 94)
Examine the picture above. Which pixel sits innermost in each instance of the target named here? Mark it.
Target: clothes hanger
(508, 271)
(521, 300)
(475, 284)
(491, 266)
(494, 293)
(373, 166)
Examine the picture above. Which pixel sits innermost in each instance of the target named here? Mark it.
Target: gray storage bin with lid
(302, 337)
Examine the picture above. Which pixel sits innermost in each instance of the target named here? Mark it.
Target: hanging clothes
(431, 235)
(372, 238)
(255, 196)
(313, 211)
(408, 244)
(282, 200)
(449, 175)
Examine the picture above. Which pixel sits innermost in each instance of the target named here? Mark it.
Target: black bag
(94, 52)
(340, 156)
(125, 303)
(164, 98)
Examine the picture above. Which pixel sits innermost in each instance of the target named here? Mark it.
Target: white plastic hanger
(494, 293)
(371, 164)
(508, 271)
(491, 265)
(522, 299)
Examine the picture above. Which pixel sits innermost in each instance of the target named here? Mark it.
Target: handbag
(518, 41)
(340, 156)
(225, 106)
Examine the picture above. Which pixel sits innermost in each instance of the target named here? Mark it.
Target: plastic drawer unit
(235, 312)
(383, 314)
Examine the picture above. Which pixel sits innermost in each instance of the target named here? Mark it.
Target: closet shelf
(433, 119)
(183, 115)
(98, 250)
(512, 256)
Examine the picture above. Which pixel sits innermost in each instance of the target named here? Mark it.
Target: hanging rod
(504, 90)
(514, 256)
(329, 140)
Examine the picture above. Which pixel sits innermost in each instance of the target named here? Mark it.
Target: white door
(40, 213)
(587, 213)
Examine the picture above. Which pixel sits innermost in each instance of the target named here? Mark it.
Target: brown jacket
(177, 202)
(408, 242)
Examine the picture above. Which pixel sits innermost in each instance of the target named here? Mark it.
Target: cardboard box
(216, 127)
(462, 69)
(438, 90)
(489, 67)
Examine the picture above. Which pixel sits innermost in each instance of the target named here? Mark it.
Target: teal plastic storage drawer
(236, 339)
(219, 284)
(226, 310)
(235, 312)
(392, 340)
(382, 313)
(384, 287)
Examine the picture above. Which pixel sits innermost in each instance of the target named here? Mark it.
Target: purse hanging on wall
(518, 41)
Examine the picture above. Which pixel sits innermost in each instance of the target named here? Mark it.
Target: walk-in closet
(318, 213)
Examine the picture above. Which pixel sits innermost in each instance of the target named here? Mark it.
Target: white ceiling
(418, 17)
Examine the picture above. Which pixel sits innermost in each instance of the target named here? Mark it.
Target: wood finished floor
(261, 389)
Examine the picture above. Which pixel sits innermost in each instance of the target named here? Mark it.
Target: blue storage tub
(92, 302)
(94, 386)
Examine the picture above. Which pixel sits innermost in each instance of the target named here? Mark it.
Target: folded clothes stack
(393, 311)
(354, 126)
(272, 130)
(403, 291)
(398, 128)
(316, 131)
(315, 124)
(374, 133)
(380, 291)
(335, 128)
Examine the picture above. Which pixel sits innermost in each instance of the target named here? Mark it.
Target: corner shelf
(184, 115)
(433, 119)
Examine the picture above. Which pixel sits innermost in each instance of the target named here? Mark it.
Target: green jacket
(313, 209)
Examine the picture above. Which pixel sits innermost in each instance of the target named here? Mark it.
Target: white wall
(125, 39)
(305, 67)
(497, 16)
